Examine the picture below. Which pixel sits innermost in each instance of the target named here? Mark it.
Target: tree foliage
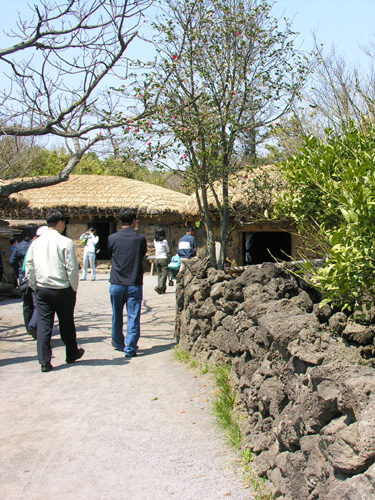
(331, 196)
(225, 71)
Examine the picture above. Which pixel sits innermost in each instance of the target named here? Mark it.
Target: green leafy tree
(224, 72)
(331, 196)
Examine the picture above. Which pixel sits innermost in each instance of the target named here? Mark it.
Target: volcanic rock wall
(303, 373)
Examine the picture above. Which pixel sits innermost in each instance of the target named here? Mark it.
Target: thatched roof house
(97, 200)
(250, 191)
(256, 238)
(104, 195)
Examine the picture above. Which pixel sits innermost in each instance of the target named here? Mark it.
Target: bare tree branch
(53, 75)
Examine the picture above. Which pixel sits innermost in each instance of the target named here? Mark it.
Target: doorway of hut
(266, 246)
(104, 227)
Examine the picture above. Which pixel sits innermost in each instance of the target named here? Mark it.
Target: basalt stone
(233, 292)
(292, 467)
(199, 267)
(226, 306)
(300, 372)
(283, 330)
(271, 397)
(218, 318)
(225, 341)
(263, 274)
(229, 324)
(254, 340)
(207, 309)
(217, 291)
(357, 389)
(362, 484)
(252, 290)
(303, 302)
(282, 287)
(337, 323)
(217, 276)
(342, 449)
(323, 313)
(361, 334)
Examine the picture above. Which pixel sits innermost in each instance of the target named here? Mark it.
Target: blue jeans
(89, 257)
(132, 297)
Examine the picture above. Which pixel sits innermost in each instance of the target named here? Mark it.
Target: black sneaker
(79, 355)
(32, 332)
(46, 367)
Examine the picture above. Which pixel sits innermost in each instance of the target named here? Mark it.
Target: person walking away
(161, 260)
(13, 243)
(32, 328)
(52, 270)
(187, 247)
(16, 261)
(126, 248)
(89, 253)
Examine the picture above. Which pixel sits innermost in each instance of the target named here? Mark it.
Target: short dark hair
(53, 217)
(127, 216)
(160, 234)
(12, 241)
(190, 228)
(92, 229)
(29, 232)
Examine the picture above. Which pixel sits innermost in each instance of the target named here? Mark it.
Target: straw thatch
(103, 195)
(251, 191)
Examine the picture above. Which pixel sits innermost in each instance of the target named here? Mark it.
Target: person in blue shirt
(127, 248)
(187, 247)
(16, 261)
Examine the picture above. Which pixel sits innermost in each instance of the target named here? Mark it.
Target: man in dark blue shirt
(127, 248)
(187, 246)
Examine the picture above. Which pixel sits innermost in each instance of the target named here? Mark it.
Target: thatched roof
(252, 191)
(104, 195)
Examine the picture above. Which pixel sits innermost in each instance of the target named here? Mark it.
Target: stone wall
(304, 375)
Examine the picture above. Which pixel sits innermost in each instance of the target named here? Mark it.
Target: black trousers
(28, 307)
(62, 302)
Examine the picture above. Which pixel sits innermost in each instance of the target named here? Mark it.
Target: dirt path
(108, 428)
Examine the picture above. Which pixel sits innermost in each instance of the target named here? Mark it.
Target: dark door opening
(267, 247)
(104, 227)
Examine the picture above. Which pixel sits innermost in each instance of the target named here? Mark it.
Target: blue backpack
(175, 262)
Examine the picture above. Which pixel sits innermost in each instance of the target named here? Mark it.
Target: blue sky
(345, 23)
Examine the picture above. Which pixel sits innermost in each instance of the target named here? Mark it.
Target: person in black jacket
(16, 261)
(126, 248)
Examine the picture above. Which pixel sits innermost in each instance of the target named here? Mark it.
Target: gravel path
(108, 428)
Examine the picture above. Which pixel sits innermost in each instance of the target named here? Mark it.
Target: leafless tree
(342, 93)
(54, 72)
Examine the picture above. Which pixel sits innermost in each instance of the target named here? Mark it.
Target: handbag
(24, 285)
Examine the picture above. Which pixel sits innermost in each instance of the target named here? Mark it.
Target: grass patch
(229, 418)
(224, 406)
(182, 356)
(258, 484)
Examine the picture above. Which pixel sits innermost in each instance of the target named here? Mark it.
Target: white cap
(41, 230)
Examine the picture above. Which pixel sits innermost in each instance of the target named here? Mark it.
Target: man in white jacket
(52, 270)
(91, 240)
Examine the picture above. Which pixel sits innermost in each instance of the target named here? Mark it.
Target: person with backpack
(90, 241)
(16, 261)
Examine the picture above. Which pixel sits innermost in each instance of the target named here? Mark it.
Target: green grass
(229, 418)
(224, 406)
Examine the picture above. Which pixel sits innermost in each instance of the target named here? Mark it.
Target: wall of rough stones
(304, 375)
